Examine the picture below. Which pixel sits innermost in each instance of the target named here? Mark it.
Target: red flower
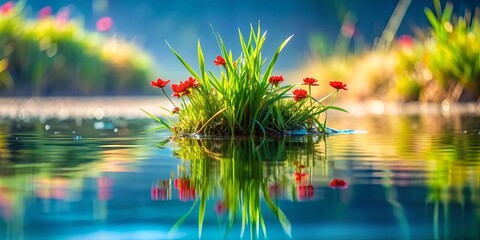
(275, 80)
(175, 110)
(159, 83)
(299, 94)
(7, 7)
(45, 12)
(338, 183)
(220, 61)
(192, 82)
(182, 89)
(310, 81)
(104, 24)
(338, 85)
(180, 93)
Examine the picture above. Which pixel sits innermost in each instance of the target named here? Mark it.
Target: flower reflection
(52, 188)
(338, 183)
(6, 202)
(185, 190)
(305, 192)
(299, 176)
(220, 208)
(161, 191)
(275, 190)
(104, 184)
(241, 174)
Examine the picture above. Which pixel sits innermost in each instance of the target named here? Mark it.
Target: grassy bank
(55, 55)
(438, 63)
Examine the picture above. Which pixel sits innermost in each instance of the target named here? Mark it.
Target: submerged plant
(243, 99)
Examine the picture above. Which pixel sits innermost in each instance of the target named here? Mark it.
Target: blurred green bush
(55, 56)
(440, 63)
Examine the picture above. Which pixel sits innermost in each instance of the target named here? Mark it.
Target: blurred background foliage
(435, 63)
(54, 55)
(403, 52)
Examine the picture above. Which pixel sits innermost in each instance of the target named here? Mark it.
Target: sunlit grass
(52, 56)
(244, 99)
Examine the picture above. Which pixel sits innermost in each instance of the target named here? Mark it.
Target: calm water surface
(413, 176)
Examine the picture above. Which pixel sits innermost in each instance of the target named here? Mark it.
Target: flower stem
(310, 94)
(163, 90)
(331, 103)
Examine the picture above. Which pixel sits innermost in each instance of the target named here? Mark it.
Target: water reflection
(411, 176)
(415, 163)
(241, 174)
(54, 161)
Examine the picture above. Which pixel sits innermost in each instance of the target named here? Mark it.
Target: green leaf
(158, 120)
(185, 64)
(336, 108)
(269, 69)
(447, 13)
(287, 227)
(201, 62)
(183, 218)
(432, 19)
(201, 214)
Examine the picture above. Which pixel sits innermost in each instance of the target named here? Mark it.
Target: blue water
(409, 177)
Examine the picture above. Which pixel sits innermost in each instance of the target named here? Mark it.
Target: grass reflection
(244, 175)
(440, 152)
(51, 165)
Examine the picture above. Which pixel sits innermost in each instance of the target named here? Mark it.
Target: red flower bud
(175, 110)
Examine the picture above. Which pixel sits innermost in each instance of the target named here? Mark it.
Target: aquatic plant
(54, 54)
(245, 99)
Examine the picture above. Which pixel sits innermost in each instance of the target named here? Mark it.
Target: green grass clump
(244, 99)
(48, 56)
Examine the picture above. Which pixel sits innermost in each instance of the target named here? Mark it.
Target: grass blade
(159, 120)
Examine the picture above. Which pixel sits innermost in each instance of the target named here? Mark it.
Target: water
(410, 176)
